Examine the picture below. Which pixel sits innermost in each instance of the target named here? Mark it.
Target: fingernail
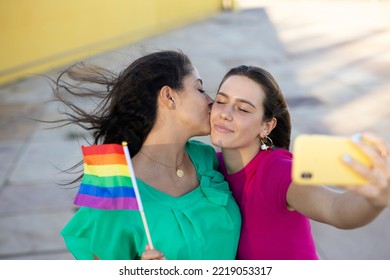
(356, 137)
(347, 159)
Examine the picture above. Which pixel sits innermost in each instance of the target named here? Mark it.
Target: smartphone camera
(306, 175)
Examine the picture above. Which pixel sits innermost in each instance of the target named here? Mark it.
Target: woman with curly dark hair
(156, 105)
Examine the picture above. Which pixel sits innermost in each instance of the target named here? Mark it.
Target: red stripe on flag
(102, 149)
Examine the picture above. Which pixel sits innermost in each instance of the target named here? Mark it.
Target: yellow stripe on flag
(107, 170)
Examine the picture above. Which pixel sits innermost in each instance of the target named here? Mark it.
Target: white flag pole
(137, 195)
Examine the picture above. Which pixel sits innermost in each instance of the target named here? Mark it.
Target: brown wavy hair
(275, 105)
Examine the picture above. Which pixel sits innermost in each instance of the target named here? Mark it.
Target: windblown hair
(126, 103)
(275, 105)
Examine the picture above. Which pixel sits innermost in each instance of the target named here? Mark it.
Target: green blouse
(202, 224)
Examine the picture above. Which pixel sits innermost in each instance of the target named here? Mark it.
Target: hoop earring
(266, 143)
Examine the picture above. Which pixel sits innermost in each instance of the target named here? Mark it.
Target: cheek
(213, 113)
(249, 128)
(215, 110)
(201, 101)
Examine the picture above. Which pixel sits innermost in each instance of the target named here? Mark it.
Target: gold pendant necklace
(179, 172)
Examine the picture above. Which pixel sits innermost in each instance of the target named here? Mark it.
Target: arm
(341, 209)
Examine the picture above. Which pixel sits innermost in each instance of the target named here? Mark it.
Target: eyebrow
(238, 99)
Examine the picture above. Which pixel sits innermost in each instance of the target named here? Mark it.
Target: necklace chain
(179, 172)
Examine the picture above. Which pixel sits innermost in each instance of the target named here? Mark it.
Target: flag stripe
(129, 203)
(107, 170)
(113, 192)
(105, 159)
(102, 149)
(108, 181)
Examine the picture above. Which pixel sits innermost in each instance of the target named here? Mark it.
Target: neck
(237, 158)
(167, 131)
(164, 147)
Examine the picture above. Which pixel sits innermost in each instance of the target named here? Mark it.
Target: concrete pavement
(331, 59)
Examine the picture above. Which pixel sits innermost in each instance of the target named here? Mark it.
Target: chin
(217, 141)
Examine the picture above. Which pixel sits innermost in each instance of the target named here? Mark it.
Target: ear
(167, 97)
(268, 127)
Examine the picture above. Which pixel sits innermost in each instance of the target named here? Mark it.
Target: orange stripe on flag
(105, 159)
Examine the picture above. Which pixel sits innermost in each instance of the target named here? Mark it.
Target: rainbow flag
(107, 182)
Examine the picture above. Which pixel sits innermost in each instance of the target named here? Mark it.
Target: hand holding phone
(318, 160)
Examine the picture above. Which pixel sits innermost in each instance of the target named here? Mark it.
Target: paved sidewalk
(331, 58)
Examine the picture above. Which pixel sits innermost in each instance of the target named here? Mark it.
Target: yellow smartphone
(318, 160)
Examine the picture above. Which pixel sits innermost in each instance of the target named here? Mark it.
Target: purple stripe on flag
(124, 203)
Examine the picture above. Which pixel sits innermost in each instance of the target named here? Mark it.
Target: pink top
(269, 230)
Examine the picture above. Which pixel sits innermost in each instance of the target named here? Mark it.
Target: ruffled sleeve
(106, 234)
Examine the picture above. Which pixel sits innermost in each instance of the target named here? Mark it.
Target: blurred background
(330, 57)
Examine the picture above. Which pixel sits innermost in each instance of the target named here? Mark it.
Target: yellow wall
(40, 35)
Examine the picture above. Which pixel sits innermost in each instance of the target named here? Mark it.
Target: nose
(226, 113)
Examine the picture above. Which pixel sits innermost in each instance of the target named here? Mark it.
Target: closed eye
(243, 110)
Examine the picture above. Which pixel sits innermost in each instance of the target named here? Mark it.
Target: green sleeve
(106, 234)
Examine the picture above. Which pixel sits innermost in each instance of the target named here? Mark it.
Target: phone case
(318, 161)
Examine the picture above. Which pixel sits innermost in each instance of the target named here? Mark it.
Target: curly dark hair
(275, 105)
(126, 103)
